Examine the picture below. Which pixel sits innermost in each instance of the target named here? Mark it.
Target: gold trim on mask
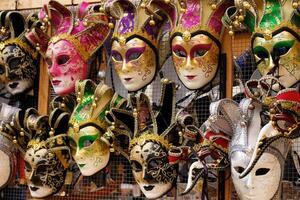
(185, 31)
(37, 144)
(20, 43)
(121, 38)
(73, 40)
(149, 137)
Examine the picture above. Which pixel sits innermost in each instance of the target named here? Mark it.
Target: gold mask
(195, 60)
(135, 63)
(278, 56)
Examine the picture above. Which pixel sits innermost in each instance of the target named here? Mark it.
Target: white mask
(5, 170)
(263, 180)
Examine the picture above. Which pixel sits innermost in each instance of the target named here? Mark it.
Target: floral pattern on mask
(135, 63)
(196, 61)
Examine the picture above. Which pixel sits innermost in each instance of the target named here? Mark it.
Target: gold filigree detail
(20, 43)
(149, 137)
(76, 42)
(122, 37)
(182, 30)
(37, 144)
(283, 24)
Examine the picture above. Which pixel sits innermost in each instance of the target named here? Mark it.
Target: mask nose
(249, 182)
(54, 71)
(271, 67)
(125, 67)
(189, 64)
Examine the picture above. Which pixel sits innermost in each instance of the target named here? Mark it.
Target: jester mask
(72, 43)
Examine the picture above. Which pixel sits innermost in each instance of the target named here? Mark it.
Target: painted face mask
(140, 25)
(150, 145)
(73, 43)
(43, 143)
(18, 60)
(195, 41)
(8, 164)
(275, 39)
(88, 125)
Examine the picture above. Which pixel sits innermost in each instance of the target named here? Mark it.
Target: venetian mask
(151, 169)
(195, 41)
(137, 52)
(44, 173)
(43, 145)
(150, 145)
(275, 36)
(196, 61)
(89, 151)
(263, 180)
(65, 66)
(18, 60)
(278, 56)
(135, 63)
(71, 44)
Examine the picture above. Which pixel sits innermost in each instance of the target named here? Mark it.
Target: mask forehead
(195, 60)
(134, 62)
(278, 56)
(34, 157)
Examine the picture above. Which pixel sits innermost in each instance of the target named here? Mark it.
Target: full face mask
(88, 124)
(261, 141)
(140, 25)
(72, 43)
(8, 157)
(152, 158)
(18, 60)
(275, 38)
(195, 41)
(43, 144)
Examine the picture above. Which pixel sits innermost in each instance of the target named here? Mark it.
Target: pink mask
(73, 42)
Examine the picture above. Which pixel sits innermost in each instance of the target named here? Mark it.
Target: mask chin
(155, 190)
(18, 87)
(39, 191)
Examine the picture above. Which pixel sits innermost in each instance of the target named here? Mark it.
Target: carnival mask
(18, 60)
(150, 145)
(195, 41)
(278, 56)
(140, 26)
(135, 63)
(71, 44)
(44, 173)
(262, 182)
(43, 144)
(151, 169)
(196, 61)
(65, 66)
(89, 151)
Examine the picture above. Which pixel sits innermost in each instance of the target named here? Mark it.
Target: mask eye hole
(136, 166)
(239, 169)
(262, 171)
(2, 69)
(134, 53)
(261, 52)
(62, 59)
(116, 56)
(28, 167)
(153, 164)
(87, 140)
(281, 48)
(42, 169)
(87, 143)
(14, 63)
(179, 51)
(200, 50)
